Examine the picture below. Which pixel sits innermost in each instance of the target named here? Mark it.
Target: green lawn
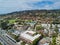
(12, 21)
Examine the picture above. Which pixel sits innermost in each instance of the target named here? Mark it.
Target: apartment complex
(29, 36)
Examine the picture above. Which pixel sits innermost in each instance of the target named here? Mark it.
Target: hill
(43, 15)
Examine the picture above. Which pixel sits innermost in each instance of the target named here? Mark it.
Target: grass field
(12, 21)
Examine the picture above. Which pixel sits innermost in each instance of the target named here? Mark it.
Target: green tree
(39, 27)
(3, 25)
(36, 41)
(53, 40)
(23, 43)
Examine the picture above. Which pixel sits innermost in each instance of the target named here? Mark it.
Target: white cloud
(16, 5)
(56, 5)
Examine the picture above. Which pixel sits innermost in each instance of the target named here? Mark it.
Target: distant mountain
(33, 11)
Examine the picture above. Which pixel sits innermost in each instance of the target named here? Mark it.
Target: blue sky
(7, 6)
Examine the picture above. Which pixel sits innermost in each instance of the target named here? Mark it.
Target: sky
(7, 6)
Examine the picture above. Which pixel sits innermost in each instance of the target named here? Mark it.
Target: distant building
(58, 40)
(32, 24)
(58, 25)
(43, 32)
(59, 30)
(45, 41)
(16, 33)
(51, 32)
(20, 27)
(48, 25)
(29, 36)
(2, 32)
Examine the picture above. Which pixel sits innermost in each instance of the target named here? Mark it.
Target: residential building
(29, 36)
(45, 41)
